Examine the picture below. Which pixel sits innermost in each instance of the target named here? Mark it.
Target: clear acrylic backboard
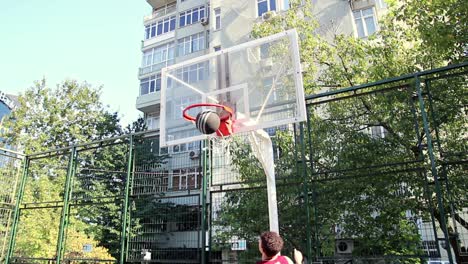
(260, 80)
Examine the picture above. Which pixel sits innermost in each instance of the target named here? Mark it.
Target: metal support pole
(306, 191)
(314, 196)
(203, 200)
(125, 207)
(427, 83)
(430, 151)
(19, 199)
(66, 206)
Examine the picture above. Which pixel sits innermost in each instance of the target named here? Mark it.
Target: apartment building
(178, 30)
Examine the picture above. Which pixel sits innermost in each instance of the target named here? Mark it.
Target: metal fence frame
(420, 82)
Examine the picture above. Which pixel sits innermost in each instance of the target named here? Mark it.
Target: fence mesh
(10, 176)
(377, 174)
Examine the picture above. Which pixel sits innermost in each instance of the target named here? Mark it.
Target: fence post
(66, 207)
(430, 151)
(314, 198)
(203, 201)
(19, 198)
(306, 191)
(125, 207)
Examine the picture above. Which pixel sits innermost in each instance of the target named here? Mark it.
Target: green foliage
(53, 118)
(70, 114)
(438, 25)
(357, 182)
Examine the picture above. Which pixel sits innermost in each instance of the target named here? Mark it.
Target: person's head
(270, 243)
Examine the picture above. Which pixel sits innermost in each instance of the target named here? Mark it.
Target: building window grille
(187, 178)
(365, 22)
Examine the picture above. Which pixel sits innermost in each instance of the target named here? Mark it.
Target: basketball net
(262, 148)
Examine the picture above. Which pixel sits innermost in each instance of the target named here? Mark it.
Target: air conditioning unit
(344, 246)
(194, 154)
(268, 15)
(204, 21)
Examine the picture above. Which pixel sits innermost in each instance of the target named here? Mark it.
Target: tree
(46, 119)
(341, 137)
(53, 118)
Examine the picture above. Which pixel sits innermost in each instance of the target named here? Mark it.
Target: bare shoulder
(288, 259)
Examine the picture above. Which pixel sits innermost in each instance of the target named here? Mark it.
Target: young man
(270, 245)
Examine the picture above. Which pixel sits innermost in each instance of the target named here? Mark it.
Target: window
(161, 182)
(191, 16)
(181, 104)
(191, 44)
(285, 5)
(150, 84)
(365, 22)
(217, 48)
(382, 3)
(217, 12)
(160, 27)
(378, 132)
(430, 248)
(147, 31)
(193, 73)
(157, 58)
(152, 121)
(265, 51)
(179, 179)
(264, 6)
(188, 178)
(194, 178)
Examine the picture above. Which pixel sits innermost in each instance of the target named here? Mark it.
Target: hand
(298, 258)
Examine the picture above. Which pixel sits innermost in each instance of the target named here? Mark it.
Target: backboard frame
(300, 99)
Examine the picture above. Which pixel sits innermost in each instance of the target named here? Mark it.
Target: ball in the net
(207, 122)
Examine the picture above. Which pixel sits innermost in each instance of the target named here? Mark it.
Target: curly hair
(271, 243)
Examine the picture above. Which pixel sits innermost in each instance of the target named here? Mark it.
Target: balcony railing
(156, 67)
(165, 10)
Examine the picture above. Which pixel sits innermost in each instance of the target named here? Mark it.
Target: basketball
(207, 122)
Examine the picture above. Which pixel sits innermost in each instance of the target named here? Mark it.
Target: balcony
(148, 103)
(156, 4)
(160, 12)
(155, 67)
(158, 39)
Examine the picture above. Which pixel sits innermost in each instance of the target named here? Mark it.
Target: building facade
(179, 30)
(176, 31)
(8, 103)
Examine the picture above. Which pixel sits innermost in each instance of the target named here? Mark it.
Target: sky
(97, 41)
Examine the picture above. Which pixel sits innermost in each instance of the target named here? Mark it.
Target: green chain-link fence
(376, 175)
(10, 173)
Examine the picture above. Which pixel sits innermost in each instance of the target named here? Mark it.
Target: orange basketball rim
(226, 122)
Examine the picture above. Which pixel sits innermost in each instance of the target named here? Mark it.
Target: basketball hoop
(225, 122)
